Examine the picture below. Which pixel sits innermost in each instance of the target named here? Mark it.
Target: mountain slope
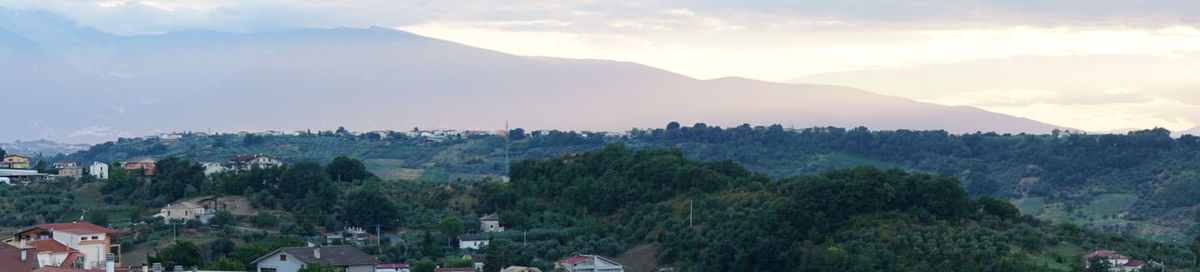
(102, 86)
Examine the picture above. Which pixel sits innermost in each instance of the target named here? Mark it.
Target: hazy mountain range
(75, 84)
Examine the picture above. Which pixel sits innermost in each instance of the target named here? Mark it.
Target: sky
(1096, 65)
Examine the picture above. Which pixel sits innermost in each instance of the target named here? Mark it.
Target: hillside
(688, 213)
(1137, 183)
(105, 86)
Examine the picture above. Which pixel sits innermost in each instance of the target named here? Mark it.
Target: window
(94, 237)
(83, 238)
(282, 257)
(264, 269)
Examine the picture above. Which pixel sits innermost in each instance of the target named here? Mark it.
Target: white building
(247, 162)
(588, 263)
(292, 259)
(490, 223)
(84, 244)
(186, 211)
(473, 241)
(212, 168)
(98, 170)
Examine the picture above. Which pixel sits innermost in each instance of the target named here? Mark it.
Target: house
(247, 162)
(490, 223)
(454, 269)
(291, 259)
(212, 168)
(98, 170)
(520, 269)
(588, 263)
(146, 165)
(477, 259)
(1117, 262)
(349, 235)
(91, 242)
(64, 164)
(15, 161)
(15, 259)
(186, 211)
(473, 241)
(391, 268)
(55, 253)
(71, 171)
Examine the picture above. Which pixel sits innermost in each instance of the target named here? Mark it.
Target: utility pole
(690, 209)
(506, 162)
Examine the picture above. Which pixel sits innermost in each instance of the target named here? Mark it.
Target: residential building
(392, 268)
(348, 235)
(64, 164)
(247, 162)
(588, 263)
(186, 211)
(145, 165)
(292, 259)
(473, 241)
(477, 259)
(71, 171)
(454, 269)
(213, 168)
(15, 161)
(98, 170)
(54, 253)
(92, 242)
(15, 259)
(1117, 262)
(490, 223)
(520, 269)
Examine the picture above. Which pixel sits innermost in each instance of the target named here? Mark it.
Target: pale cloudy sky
(1091, 64)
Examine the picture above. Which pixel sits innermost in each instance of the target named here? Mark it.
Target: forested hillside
(688, 214)
(1142, 183)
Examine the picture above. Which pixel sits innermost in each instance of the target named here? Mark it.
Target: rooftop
(77, 228)
(330, 255)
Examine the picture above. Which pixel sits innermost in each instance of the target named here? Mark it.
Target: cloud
(149, 16)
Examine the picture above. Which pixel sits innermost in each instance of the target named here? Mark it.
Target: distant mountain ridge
(77, 84)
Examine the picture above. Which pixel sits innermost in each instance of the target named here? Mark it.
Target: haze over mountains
(68, 83)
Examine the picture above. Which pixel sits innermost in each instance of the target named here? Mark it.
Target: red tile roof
(455, 269)
(50, 245)
(1134, 263)
(77, 228)
(70, 259)
(575, 259)
(63, 269)
(10, 259)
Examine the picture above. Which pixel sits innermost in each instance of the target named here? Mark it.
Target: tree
(1097, 265)
(3, 153)
(425, 265)
(455, 262)
(367, 206)
(343, 168)
(265, 220)
(227, 264)
(516, 134)
(221, 218)
(452, 225)
(251, 139)
(673, 125)
(183, 253)
(99, 218)
(220, 247)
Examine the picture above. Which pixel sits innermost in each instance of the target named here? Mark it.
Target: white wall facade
(98, 170)
(289, 265)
